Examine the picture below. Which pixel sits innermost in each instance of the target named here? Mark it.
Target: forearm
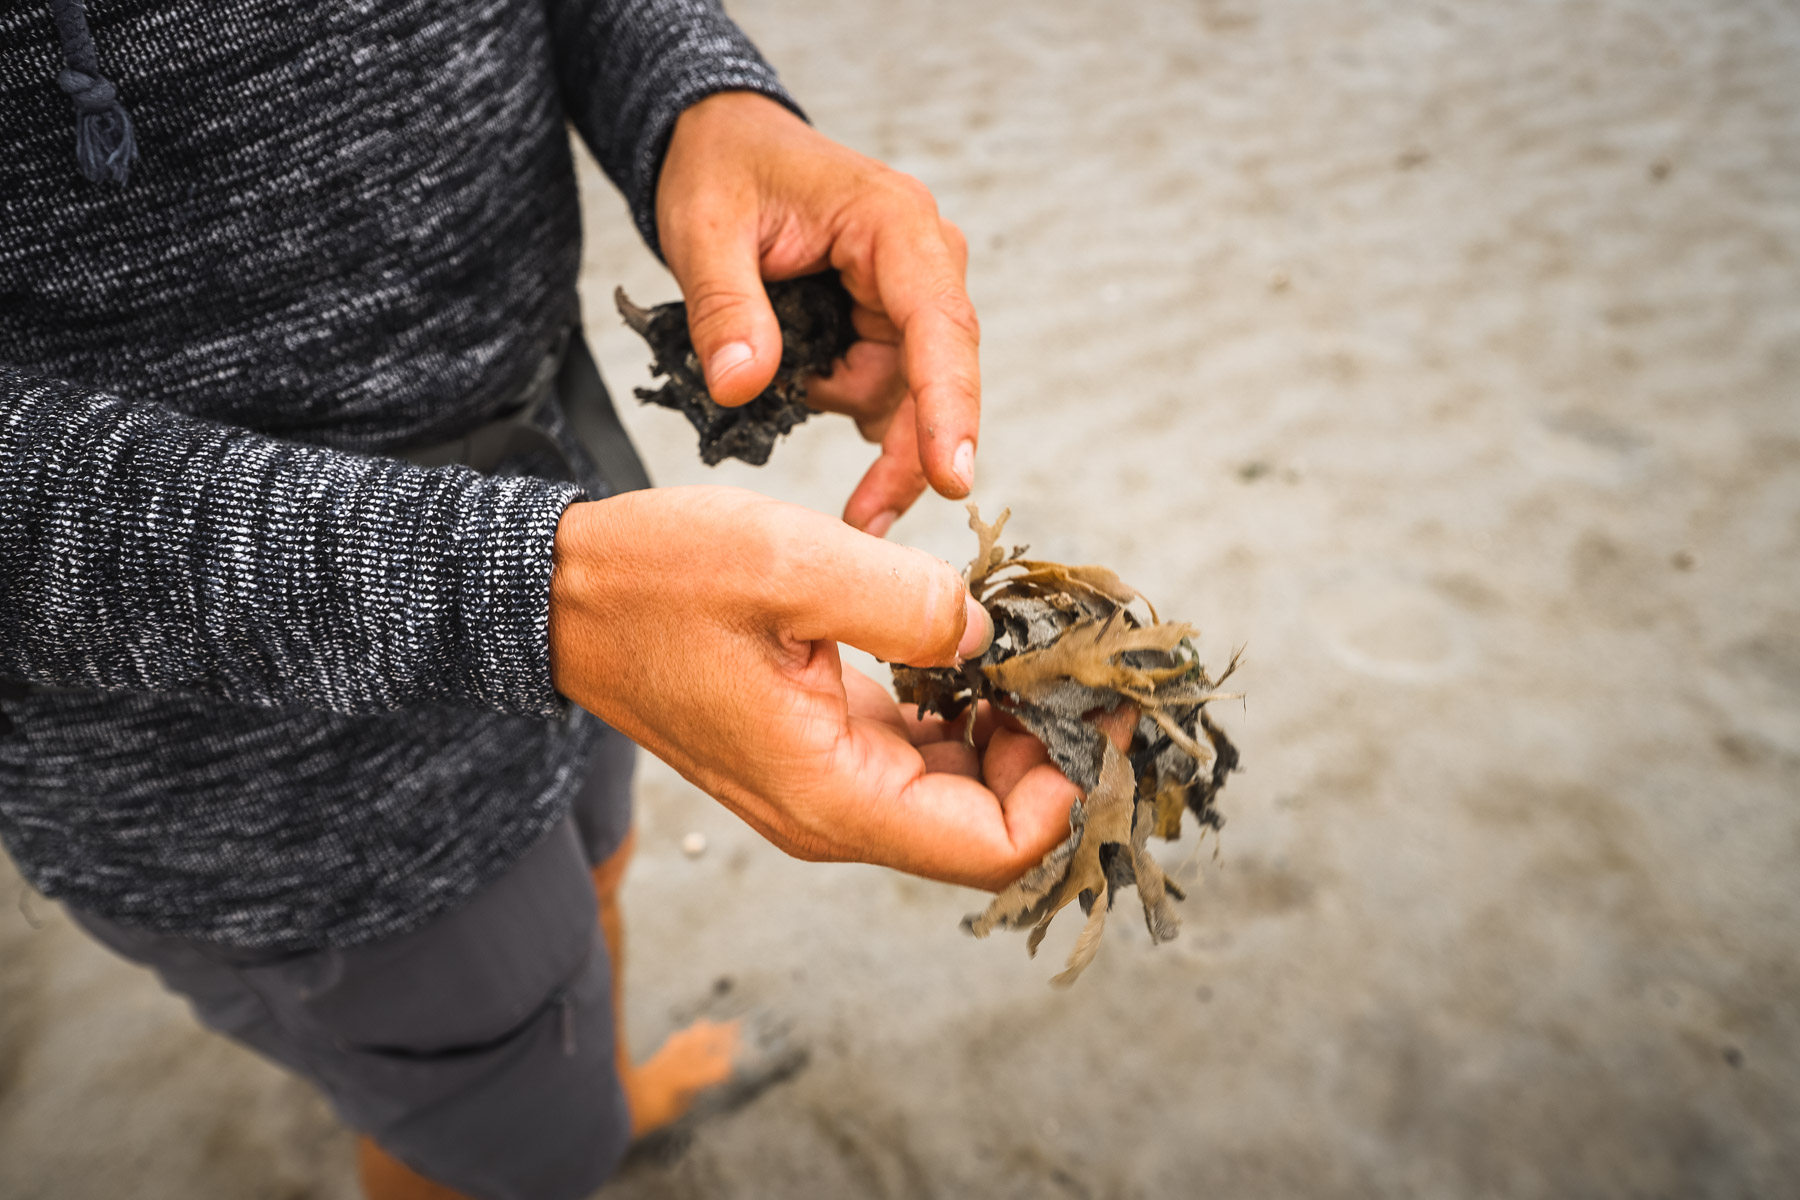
(626, 70)
(144, 550)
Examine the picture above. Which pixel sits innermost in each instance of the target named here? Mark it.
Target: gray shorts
(477, 1049)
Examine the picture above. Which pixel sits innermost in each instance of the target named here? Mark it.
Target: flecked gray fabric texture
(298, 693)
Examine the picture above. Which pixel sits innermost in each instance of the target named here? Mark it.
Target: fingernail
(880, 523)
(978, 633)
(962, 465)
(728, 358)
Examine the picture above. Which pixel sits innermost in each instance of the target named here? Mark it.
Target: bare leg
(385, 1177)
(662, 1087)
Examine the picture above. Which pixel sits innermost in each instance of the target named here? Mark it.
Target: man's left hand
(750, 192)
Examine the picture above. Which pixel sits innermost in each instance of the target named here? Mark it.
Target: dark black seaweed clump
(816, 331)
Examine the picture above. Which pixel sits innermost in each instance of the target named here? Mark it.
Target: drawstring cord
(105, 143)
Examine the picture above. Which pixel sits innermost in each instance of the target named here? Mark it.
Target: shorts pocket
(474, 974)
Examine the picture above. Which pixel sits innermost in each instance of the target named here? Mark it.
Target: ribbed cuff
(502, 548)
(628, 70)
(144, 550)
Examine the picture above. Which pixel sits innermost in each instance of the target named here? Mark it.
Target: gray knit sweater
(287, 692)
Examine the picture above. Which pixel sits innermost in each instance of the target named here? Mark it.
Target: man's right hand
(703, 623)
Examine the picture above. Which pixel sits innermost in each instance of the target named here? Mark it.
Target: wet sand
(1448, 358)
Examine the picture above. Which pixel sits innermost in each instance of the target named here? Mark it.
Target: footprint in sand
(1389, 627)
(1579, 444)
(1757, 681)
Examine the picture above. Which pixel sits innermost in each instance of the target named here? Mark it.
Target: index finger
(919, 279)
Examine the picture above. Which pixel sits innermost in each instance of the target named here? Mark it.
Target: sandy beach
(1444, 356)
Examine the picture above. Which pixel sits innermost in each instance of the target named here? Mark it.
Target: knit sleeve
(627, 69)
(143, 550)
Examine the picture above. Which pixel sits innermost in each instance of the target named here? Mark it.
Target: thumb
(899, 604)
(729, 318)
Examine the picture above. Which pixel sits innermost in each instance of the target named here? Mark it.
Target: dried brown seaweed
(814, 314)
(1069, 649)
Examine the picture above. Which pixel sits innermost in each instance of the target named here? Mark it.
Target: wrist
(732, 106)
(572, 592)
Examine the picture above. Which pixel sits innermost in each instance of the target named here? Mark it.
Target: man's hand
(750, 192)
(703, 623)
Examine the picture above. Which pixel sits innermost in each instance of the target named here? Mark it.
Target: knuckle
(956, 307)
(766, 554)
(794, 553)
(948, 390)
(955, 239)
(873, 425)
(712, 307)
(793, 561)
(911, 193)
